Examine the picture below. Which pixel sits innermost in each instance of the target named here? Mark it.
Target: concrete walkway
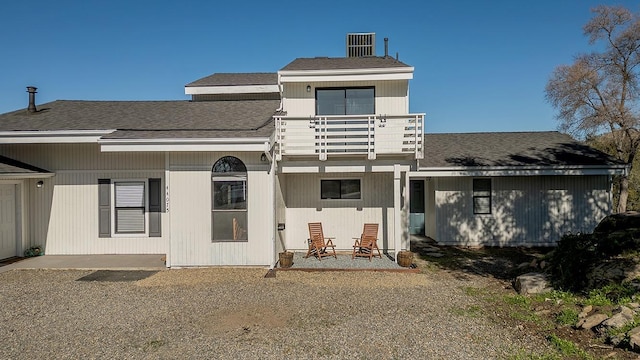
(90, 262)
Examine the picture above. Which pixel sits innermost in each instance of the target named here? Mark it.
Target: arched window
(229, 200)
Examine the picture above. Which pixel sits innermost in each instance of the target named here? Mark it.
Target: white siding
(391, 96)
(526, 211)
(342, 219)
(63, 214)
(71, 199)
(190, 212)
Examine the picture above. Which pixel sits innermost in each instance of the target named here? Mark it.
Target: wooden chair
(238, 231)
(318, 243)
(367, 242)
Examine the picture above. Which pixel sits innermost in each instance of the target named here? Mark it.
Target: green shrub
(571, 260)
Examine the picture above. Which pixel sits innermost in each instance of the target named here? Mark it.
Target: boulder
(532, 283)
(619, 320)
(618, 222)
(591, 321)
(585, 312)
(634, 339)
(614, 271)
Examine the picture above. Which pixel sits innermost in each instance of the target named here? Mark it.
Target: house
(233, 176)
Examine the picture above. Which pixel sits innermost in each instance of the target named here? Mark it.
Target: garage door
(8, 243)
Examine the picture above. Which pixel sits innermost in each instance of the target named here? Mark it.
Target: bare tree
(599, 93)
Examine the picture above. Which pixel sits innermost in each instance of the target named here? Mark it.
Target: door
(8, 241)
(416, 207)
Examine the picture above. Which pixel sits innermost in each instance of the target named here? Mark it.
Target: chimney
(32, 98)
(386, 47)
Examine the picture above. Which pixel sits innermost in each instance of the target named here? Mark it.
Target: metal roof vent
(361, 44)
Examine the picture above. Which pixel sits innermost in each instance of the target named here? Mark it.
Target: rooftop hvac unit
(361, 44)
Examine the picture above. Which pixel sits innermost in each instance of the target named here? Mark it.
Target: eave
(21, 176)
(178, 144)
(52, 136)
(240, 89)
(375, 74)
(521, 170)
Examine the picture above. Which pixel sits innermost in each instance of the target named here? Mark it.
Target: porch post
(406, 197)
(397, 211)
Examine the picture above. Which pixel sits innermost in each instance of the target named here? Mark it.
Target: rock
(617, 222)
(616, 271)
(543, 264)
(615, 340)
(619, 320)
(591, 321)
(585, 312)
(634, 339)
(633, 305)
(532, 283)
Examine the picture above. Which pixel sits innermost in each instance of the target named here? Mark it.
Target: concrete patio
(89, 262)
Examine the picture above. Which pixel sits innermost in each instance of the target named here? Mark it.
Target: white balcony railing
(371, 135)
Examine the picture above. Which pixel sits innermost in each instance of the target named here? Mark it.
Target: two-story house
(233, 176)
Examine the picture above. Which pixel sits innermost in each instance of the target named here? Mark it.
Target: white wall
(342, 219)
(526, 211)
(63, 214)
(190, 213)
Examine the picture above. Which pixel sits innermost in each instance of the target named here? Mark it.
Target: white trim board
(525, 171)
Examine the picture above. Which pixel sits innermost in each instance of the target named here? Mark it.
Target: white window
(129, 207)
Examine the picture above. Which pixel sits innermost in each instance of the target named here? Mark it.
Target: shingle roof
(326, 63)
(10, 166)
(150, 119)
(549, 148)
(236, 79)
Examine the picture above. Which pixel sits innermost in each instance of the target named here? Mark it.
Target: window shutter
(104, 207)
(155, 207)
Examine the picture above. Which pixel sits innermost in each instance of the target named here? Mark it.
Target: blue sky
(479, 65)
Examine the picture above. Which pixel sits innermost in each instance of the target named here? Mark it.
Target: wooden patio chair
(367, 243)
(238, 231)
(318, 243)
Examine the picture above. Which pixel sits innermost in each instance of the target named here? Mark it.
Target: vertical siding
(190, 212)
(66, 214)
(391, 96)
(342, 219)
(526, 211)
(63, 214)
(281, 212)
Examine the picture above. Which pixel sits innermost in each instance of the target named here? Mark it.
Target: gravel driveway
(237, 313)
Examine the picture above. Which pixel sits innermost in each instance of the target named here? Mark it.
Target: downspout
(396, 210)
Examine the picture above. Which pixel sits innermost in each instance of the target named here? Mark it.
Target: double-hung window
(482, 196)
(129, 207)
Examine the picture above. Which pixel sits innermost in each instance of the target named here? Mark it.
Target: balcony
(369, 135)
